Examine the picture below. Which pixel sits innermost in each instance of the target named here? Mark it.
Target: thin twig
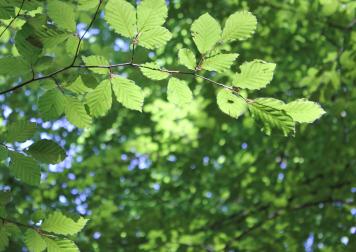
(62, 69)
(13, 20)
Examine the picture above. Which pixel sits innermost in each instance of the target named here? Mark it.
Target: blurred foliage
(191, 178)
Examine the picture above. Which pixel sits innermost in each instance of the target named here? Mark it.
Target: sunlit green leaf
(239, 26)
(100, 99)
(206, 33)
(128, 93)
(231, 104)
(254, 75)
(178, 92)
(121, 16)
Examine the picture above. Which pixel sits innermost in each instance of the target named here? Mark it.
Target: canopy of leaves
(184, 125)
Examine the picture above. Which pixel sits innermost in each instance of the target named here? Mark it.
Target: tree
(181, 175)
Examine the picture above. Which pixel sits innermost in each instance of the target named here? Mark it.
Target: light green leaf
(147, 70)
(187, 58)
(178, 92)
(51, 37)
(254, 75)
(230, 103)
(51, 105)
(206, 33)
(151, 14)
(62, 245)
(25, 168)
(79, 87)
(121, 16)
(47, 151)
(20, 131)
(128, 93)
(96, 61)
(239, 26)
(100, 99)
(34, 241)
(220, 62)
(13, 66)
(76, 113)
(272, 102)
(60, 224)
(304, 111)
(272, 118)
(62, 14)
(154, 38)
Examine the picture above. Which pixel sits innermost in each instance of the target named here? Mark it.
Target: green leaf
(5, 197)
(63, 245)
(187, 58)
(121, 16)
(178, 92)
(100, 99)
(20, 131)
(34, 241)
(96, 61)
(60, 224)
(51, 105)
(7, 10)
(230, 103)
(62, 14)
(79, 87)
(154, 38)
(76, 113)
(13, 66)
(51, 37)
(128, 93)
(148, 70)
(254, 75)
(25, 169)
(272, 118)
(4, 239)
(28, 44)
(206, 33)
(304, 111)
(3, 153)
(239, 26)
(47, 151)
(150, 14)
(272, 102)
(220, 62)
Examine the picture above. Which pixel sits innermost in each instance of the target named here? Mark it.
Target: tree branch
(35, 228)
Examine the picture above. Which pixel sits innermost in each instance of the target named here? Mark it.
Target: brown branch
(13, 20)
